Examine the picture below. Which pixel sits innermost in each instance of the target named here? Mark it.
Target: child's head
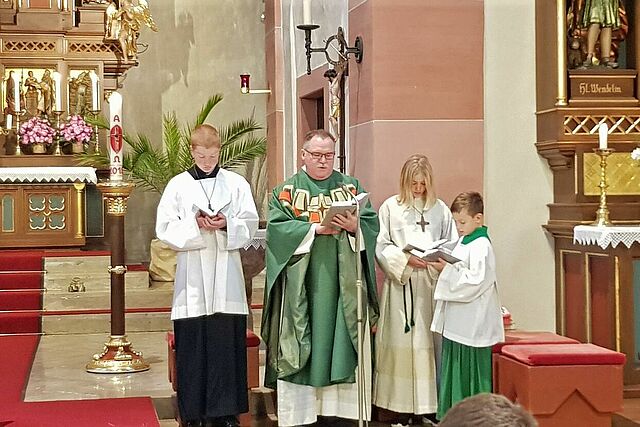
(205, 147)
(468, 212)
(416, 180)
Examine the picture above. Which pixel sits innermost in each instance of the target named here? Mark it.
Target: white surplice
(467, 304)
(405, 376)
(209, 276)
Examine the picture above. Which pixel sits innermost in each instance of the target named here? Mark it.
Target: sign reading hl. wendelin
(591, 86)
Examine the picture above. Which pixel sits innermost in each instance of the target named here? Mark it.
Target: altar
(43, 206)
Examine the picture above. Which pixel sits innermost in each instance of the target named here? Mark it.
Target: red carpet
(15, 364)
(20, 291)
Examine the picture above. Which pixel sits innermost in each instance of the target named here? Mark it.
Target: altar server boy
(207, 214)
(467, 312)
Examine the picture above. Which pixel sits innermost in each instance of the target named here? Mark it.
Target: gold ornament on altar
(80, 94)
(123, 24)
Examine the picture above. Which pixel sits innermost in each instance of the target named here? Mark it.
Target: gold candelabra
(57, 114)
(96, 147)
(602, 214)
(18, 115)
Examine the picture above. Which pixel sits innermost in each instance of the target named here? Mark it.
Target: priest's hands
(211, 223)
(326, 229)
(417, 263)
(348, 222)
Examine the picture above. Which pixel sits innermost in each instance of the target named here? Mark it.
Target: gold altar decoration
(123, 23)
(622, 175)
(602, 214)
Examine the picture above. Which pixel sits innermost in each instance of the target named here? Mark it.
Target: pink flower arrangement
(36, 131)
(76, 130)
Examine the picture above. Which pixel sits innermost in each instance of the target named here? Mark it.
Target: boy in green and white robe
(467, 312)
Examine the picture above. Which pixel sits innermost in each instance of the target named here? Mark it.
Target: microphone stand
(360, 373)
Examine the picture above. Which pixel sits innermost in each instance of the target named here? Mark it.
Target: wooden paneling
(602, 300)
(575, 296)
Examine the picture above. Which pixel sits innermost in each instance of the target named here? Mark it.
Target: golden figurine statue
(32, 95)
(47, 94)
(80, 94)
(124, 20)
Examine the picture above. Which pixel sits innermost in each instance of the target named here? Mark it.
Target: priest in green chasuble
(309, 320)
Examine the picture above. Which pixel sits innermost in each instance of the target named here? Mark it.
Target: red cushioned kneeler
(516, 337)
(563, 384)
(253, 367)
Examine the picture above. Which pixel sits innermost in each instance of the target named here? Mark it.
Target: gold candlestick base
(117, 357)
(602, 214)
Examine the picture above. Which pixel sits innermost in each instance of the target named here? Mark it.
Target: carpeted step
(21, 280)
(21, 260)
(20, 322)
(20, 299)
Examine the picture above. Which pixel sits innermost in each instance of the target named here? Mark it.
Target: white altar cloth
(605, 236)
(48, 174)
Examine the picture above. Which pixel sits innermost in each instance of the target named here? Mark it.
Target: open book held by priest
(433, 252)
(342, 207)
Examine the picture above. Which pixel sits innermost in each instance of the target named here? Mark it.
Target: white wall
(518, 182)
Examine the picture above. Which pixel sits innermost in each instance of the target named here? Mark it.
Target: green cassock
(309, 321)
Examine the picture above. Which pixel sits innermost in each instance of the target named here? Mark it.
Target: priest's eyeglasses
(318, 156)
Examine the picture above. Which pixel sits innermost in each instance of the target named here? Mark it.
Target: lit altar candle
(603, 133)
(16, 91)
(306, 12)
(57, 91)
(115, 136)
(95, 91)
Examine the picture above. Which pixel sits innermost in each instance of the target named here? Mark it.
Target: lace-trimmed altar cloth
(48, 174)
(259, 241)
(605, 236)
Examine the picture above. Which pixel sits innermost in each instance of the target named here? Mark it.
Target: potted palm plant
(152, 166)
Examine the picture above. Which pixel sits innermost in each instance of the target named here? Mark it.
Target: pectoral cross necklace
(208, 196)
(422, 223)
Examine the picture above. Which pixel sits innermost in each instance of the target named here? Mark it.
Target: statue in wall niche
(47, 88)
(595, 30)
(9, 90)
(32, 95)
(123, 24)
(80, 94)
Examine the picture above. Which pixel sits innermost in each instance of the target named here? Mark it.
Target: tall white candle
(115, 136)
(16, 91)
(95, 91)
(9, 123)
(603, 133)
(306, 12)
(57, 90)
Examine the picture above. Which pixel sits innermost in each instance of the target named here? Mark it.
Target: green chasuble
(309, 320)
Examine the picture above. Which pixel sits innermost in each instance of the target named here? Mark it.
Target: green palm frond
(238, 129)
(152, 166)
(101, 121)
(206, 109)
(242, 151)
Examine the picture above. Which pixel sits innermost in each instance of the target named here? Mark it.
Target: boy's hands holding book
(211, 222)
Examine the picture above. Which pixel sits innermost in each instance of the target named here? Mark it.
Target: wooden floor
(630, 415)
